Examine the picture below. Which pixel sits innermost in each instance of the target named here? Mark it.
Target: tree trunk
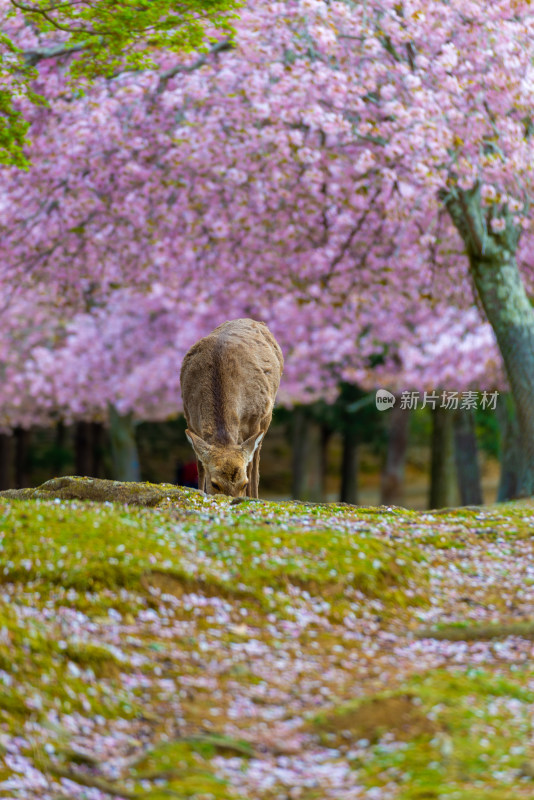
(97, 449)
(349, 468)
(6, 460)
(312, 489)
(508, 309)
(22, 458)
(299, 449)
(511, 316)
(123, 447)
(466, 455)
(509, 449)
(89, 446)
(392, 485)
(59, 452)
(83, 449)
(324, 441)
(443, 485)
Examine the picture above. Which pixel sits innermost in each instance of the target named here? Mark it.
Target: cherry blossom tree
(364, 170)
(106, 37)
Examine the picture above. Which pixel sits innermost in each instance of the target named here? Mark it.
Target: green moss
(195, 597)
(184, 766)
(88, 548)
(465, 632)
(453, 733)
(12, 703)
(324, 562)
(102, 662)
(181, 756)
(6, 659)
(193, 787)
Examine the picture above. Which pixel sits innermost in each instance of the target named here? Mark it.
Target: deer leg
(255, 477)
(248, 490)
(201, 475)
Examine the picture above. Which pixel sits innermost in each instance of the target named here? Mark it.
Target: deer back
(229, 381)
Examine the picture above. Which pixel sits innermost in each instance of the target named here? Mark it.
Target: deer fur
(229, 381)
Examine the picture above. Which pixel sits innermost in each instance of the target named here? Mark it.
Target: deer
(229, 380)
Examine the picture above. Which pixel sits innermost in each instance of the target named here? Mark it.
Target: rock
(18, 494)
(78, 488)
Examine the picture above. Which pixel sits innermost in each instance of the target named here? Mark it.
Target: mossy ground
(201, 649)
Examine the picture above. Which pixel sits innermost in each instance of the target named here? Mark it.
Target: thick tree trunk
(443, 485)
(123, 447)
(508, 309)
(511, 316)
(466, 454)
(6, 461)
(349, 468)
(392, 485)
(22, 458)
(83, 446)
(299, 449)
(509, 449)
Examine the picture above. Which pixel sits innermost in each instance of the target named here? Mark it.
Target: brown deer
(229, 381)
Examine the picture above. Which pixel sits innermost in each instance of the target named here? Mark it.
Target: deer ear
(200, 447)
(251, 445)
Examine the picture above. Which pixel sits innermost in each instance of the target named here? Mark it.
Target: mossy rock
(100, 490)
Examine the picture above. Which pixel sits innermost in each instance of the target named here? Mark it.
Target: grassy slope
(206, 650)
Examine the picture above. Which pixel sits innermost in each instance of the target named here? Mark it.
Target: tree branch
(467, 214)
(32, 57)
(48, 9)
(48, 18)
(166, 76)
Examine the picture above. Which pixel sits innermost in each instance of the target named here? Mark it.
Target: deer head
(225, 465)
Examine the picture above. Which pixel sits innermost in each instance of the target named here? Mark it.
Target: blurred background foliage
(340, 451)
